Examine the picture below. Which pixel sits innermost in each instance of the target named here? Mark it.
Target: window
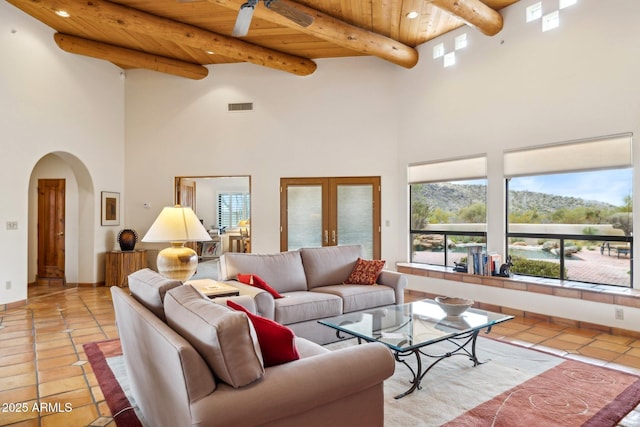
(438, 51)
(232, 208)
(448, 210)
(569, 211)
(461, 41)
(551, 21)
(534, 12)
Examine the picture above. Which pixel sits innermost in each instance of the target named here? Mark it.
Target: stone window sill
(615, 295)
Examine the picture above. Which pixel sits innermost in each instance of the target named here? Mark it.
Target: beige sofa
(312, 283)
(192, 362)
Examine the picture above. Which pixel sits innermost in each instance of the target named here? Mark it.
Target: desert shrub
(535, 267)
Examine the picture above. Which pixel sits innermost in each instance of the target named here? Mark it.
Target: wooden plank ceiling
(181, 37)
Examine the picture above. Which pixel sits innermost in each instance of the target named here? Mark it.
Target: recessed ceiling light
(412, 15)
(63, 13)
(210, 52)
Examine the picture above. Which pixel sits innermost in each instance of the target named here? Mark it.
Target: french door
(318, 212)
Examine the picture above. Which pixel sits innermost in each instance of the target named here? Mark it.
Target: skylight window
(461, 41)
(449, 59)
(567, 3)
(534, 12)
(551, 21)
(438, 50)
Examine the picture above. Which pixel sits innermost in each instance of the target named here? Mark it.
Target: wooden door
(186, 197)
(51, 217)
(187, 193)
(329, 212)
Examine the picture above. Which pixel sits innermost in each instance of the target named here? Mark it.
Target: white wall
(353, 116)
(361, 116)
(340, 121)
(524, 88)
(55, 102)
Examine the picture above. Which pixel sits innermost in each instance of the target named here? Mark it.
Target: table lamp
(177, 225)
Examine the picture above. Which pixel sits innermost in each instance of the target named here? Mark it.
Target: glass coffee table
(409, 329)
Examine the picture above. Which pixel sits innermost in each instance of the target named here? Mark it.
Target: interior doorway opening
(75, 207)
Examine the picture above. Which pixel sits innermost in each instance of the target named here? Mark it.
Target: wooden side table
(119, 264)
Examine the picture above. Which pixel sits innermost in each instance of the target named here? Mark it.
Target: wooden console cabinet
(120, 264)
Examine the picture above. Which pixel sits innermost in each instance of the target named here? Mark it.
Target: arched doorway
(76, 210)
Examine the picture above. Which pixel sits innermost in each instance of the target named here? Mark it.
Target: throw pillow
(277, 342)
(258, 282)
(365, 272)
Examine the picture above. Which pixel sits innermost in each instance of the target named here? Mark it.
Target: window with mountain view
(574, 224)
(447, 216)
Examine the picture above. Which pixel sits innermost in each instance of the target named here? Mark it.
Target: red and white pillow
(365, 272)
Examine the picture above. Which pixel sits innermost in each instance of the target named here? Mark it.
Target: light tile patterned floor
(42, 360)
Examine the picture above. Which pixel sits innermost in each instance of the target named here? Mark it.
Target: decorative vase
(127, 239)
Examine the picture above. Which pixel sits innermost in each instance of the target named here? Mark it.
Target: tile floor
(42, 360)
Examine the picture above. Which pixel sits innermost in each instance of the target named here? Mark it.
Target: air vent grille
(241, 106)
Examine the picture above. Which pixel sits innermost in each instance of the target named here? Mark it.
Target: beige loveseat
(193, 362)
(312, 283)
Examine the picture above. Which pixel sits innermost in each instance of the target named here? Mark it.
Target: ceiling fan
(243, 21)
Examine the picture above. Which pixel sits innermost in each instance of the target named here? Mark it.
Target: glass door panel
(355, 217)
(330, 211)
(304, 216)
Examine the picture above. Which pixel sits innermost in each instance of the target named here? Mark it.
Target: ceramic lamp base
(177, 262)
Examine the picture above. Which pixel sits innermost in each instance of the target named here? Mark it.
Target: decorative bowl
(454, 306)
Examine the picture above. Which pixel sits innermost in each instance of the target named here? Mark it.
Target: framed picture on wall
(110, 208)
(210, 249)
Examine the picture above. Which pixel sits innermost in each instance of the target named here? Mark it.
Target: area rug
(106, 361)
(515, 386)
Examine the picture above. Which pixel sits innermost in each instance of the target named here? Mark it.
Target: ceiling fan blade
(243, 21)
(290, 12)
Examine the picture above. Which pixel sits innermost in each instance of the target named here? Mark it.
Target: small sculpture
(505, 269)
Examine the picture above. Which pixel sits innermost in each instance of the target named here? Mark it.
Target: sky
(609, 186)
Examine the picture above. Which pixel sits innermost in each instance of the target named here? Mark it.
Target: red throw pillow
(258, 282)
(365, 272)
(277, 342)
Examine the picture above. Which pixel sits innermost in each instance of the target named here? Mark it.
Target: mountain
(452, 197)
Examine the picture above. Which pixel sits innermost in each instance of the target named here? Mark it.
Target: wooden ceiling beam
(131, 20)
(129, 58)
(327, 28)
(474, 13)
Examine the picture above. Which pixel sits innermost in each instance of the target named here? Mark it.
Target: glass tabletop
(413, 325)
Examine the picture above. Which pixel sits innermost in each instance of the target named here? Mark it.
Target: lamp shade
(177, 225)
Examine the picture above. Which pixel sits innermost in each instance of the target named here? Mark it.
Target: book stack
(480, 262)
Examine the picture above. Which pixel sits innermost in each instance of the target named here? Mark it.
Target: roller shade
(602, 153)
(448, 170)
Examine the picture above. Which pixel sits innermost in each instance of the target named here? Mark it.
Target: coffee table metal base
(461, 343)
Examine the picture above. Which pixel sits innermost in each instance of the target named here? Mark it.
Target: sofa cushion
(258, 282)
(277, 342)
(283, 271)
(356, 297)
(149, 288)
(365, 272)
(329, 265)
(307, 348)
(225, 338)
(301, 306)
